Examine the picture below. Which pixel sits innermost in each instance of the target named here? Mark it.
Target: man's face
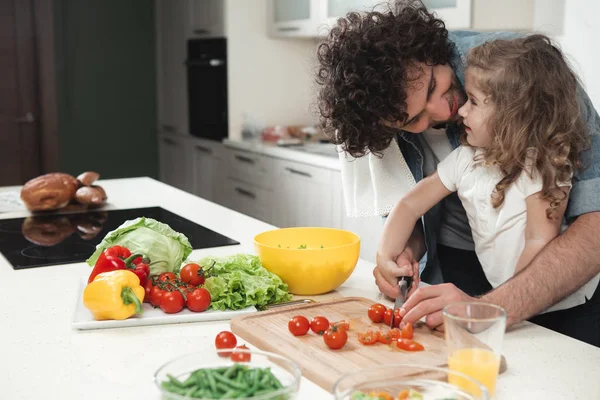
(433, 97)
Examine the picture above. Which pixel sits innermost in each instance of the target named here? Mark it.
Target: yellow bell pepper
(114, 295)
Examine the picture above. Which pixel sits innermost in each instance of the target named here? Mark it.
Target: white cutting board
(84, 320)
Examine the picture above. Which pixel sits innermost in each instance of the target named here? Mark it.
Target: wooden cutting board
(268, 330)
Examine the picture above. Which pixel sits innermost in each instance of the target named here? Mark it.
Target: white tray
(84, 320)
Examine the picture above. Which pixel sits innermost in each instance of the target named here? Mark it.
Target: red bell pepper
(112, 259)
(141, 269)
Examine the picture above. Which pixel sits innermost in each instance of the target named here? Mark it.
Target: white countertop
(318, 154)
(43, 358)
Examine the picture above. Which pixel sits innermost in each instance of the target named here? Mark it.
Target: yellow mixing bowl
(310, 260)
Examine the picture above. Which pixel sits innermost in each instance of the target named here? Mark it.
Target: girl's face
(476, 113)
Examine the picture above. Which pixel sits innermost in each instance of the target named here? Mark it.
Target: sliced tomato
(381, 396)
(407, 331)
(409, 345)
(395, 333)
(342, 325)
(385, 337)
(369, 337)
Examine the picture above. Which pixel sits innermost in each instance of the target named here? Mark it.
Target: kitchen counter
(317, 154)
(43, 358)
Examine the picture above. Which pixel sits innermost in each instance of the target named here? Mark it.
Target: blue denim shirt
(585, 193)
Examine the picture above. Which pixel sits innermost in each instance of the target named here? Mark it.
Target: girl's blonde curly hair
(537, 126)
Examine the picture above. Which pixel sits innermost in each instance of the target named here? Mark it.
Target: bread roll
(90, 195)
(88, 178)
(49, 192)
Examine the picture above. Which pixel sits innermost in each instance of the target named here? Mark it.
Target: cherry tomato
(407, 331)
(369, 337)
(241, 356)
(172, 302)
(225, 340)
(198, 300)
(409, 345)
(192, 274)
(387, 317)
(319, 325)
(385, 337)
(335, 338)
(342, 325)
(156, 294)
(148, 288)
(380, 307)
(167, 277)
(298, 325)
(375, 314)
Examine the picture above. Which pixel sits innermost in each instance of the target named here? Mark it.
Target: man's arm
(562, 267)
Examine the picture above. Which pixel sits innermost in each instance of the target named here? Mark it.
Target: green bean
(230, 382)
(210, 376)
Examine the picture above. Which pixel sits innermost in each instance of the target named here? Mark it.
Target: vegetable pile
(241, 281)
(236, 381)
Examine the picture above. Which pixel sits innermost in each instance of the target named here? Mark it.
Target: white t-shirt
(498, 233)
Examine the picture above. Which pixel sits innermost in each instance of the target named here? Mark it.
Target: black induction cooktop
(53, 239)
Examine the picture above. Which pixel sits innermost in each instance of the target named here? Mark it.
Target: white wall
(271, 80)
(580, 42)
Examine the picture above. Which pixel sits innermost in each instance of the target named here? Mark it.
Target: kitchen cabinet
(206, 18)
(174, 161)
(171, 75)
(304, 194)
(310, 18)
(206, 166)
(293, 18)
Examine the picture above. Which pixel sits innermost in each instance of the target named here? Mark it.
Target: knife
(403, 284)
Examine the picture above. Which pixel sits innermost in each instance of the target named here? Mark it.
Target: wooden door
(19, 131)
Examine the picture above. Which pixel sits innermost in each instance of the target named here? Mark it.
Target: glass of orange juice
(474, 336)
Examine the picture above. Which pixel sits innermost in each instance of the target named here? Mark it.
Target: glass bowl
(286, 371)
(431, 382)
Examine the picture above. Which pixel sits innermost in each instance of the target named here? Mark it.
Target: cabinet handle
(201, 31)
(246, 193)
(244, 159)
(168, 128)
(203, 149)
(170, 142)
(288, 29)
(295, 171)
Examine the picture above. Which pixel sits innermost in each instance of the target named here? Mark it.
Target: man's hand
(388, 271)
(429, 301)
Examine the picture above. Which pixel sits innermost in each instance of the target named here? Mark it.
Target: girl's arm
(539, 229)
(401, 222)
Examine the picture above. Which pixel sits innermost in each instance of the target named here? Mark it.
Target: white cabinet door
(206, 168)
(173, 105)
(206, 18)
(247, 199)
(331, 10)
(174, 162)
(293, 18)
(304, 195)
(456, 14)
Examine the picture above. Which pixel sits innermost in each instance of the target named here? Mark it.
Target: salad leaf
(241, 281)
(165, 248)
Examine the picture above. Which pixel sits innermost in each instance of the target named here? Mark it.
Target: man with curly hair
(391, 85)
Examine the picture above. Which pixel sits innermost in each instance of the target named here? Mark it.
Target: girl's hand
(388, 270)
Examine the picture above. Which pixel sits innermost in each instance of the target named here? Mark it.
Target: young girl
(523, 138)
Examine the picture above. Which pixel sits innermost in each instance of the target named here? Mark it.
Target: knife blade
(403, 284)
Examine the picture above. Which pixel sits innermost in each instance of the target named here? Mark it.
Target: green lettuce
(165, 248)
(241, 281)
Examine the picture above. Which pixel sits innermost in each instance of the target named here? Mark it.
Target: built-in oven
(207, 87)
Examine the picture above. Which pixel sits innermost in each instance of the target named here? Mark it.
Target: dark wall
(106, 70)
